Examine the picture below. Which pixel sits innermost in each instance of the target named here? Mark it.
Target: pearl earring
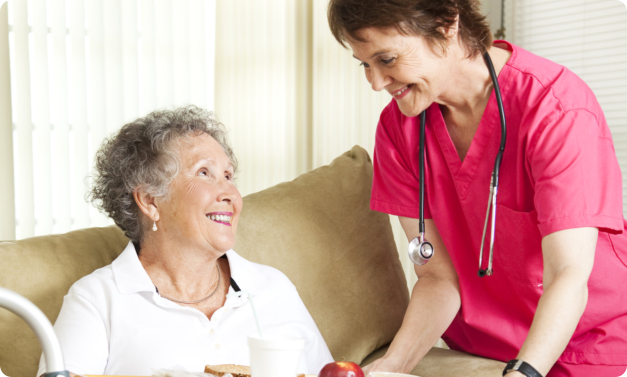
(154, 226)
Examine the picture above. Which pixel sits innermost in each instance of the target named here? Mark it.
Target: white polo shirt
(113, 322)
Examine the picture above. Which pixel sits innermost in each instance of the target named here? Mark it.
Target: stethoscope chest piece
(420, 250)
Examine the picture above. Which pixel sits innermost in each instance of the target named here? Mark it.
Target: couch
(317, 229)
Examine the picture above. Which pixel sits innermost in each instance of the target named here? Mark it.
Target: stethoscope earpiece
(483, 272)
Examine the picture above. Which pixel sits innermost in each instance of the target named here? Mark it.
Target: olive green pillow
(319, 230)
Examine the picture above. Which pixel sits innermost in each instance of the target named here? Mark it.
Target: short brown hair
(420, 17)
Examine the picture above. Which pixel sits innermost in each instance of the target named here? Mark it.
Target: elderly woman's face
(403, 65)
(204, 204)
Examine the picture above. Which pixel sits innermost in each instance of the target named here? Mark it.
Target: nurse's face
(406, 66)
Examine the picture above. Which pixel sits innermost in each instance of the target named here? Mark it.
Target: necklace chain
(202, 299)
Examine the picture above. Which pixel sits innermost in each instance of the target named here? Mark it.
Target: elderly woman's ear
(146, 203)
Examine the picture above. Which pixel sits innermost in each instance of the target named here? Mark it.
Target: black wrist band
(522, 367)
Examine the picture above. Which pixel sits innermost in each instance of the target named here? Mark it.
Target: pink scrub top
(559, 171)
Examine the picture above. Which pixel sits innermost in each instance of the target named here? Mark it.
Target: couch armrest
(443, 362)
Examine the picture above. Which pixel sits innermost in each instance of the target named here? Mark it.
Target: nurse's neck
(467, 92)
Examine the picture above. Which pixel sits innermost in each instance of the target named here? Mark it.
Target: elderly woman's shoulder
(95, 286)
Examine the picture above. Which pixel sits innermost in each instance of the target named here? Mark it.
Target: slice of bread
(221, 370)
(235, 370)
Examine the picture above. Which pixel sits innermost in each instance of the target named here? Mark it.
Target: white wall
(492, 9)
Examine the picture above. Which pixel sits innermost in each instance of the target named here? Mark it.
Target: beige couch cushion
(319, 230)
(42, 269)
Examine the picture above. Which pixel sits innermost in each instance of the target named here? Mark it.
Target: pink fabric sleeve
(395, 186)
(577, 178)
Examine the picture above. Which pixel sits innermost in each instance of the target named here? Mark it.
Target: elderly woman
(550, 297)
(168, 181)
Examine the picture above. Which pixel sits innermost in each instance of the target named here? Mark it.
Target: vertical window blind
(590, 38)
(80, 69)
(262, 88)
(291, 96)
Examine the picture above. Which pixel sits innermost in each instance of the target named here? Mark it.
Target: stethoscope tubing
(499, 101)
(494, 183)
(421, 172)
(420, 250)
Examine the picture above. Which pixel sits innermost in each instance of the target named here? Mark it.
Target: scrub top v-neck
(559, 171)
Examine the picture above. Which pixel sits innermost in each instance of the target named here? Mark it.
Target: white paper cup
(275, 357)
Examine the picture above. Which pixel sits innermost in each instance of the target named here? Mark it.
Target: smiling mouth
(400, 93)
(221, 217)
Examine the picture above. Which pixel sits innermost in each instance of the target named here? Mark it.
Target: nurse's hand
(382, 365)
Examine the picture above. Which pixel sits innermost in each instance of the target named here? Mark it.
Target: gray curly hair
(141, 154)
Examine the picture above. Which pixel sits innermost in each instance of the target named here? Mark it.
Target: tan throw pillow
(319, 230)
(43, 269)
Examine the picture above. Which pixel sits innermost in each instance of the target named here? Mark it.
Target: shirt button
(212, 331)
(217, 345)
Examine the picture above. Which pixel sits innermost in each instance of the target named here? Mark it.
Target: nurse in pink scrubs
(557, 301)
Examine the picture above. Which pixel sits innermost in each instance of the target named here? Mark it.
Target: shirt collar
(130, 276)
(245, 273)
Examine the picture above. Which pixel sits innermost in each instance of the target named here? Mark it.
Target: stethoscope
(420, 250)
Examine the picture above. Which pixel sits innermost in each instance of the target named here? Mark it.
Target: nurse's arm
(568, 259)
(434, 302)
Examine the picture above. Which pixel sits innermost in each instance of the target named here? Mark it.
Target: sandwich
(235, 370)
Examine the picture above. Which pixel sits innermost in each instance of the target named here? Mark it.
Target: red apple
(341, 369)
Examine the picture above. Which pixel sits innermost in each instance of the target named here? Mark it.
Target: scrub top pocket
(517, 246)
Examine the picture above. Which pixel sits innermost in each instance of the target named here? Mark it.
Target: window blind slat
(605, 62)
(589, 33)
(59, 100)
(20, 75)
(197, 53)
(96, 88)
(114, 97)
(541, 10)
(164, 65)
(7, 170)
(282, 60)
(603, 82)
(210, 49)
(41, 118)
(130, 65)
(148, 76)
(78, 115)
(597, 43)
(180, 48)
